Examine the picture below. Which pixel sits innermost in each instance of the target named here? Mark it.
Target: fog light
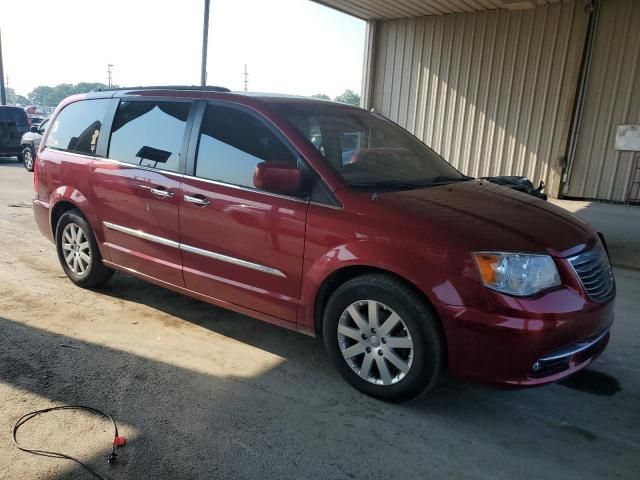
(536, 366)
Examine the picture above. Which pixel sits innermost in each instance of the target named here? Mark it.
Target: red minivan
(326, 219)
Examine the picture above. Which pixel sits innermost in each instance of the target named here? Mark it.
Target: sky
(289, 46)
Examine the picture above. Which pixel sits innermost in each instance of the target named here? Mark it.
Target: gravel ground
(201, 392)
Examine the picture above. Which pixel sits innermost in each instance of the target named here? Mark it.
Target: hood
(484, 216)
(29, 136)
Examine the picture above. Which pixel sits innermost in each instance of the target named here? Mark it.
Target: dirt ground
(201, 392)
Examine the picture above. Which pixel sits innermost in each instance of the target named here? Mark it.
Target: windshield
(367, 150)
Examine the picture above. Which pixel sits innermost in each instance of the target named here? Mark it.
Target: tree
(350, 97)
(51, 96)
(39, 95)
(14, 99)
(321, 95)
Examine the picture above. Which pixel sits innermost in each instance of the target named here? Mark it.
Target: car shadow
(181, 308)
(10, 162)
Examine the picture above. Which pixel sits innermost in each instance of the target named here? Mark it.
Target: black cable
(31, 415)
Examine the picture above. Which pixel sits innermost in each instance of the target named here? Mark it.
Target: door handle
(161, 192)
(197, 200)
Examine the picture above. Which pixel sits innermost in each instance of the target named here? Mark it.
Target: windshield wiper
(387, 184)
(408, 185)
(444, 180)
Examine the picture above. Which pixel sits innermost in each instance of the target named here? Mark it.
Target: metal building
(512, 87)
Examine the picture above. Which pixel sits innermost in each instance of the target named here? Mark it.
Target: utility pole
(3, 93)
(109, 72)
(246, 77)
(205, 41)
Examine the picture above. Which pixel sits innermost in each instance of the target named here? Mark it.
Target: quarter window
(232, 142)
(77, 127)
(149, 134)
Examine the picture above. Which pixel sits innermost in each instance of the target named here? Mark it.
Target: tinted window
(367, 150)
(77, 127)
(149, 133)
(15, 117)
(232, 142)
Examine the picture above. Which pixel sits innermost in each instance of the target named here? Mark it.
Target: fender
(428, 273)
(78, 200)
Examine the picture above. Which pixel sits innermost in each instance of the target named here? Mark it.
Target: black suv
(13, 124)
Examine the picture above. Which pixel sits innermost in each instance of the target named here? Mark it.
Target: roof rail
(207, 88)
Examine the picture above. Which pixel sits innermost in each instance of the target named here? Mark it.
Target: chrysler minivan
(326, 219)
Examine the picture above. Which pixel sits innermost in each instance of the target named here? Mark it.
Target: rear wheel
(383, 338)
(78, 251)
(27, 157)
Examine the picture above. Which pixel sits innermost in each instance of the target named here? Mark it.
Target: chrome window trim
(247, 189)
(73, 154)
(214, 182)
(326, 205)
(198, 251)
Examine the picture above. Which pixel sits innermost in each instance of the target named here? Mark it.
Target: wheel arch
(67, 198)
(59, 208)
(338, 277)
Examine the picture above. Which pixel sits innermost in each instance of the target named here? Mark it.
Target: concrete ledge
(620, 225)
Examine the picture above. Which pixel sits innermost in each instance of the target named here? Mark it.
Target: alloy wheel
(28, 158)
(375, 342)
(75, 249)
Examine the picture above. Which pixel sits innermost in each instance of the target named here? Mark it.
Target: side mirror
(278, 177)
(34, 129)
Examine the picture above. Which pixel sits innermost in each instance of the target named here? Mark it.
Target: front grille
(594, 270)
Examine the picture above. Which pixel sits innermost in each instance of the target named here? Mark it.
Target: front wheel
(27, 157)
(78, 251)
(383, 338)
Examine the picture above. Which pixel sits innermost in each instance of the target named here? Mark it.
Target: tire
(419, 367)
(28, 158)
(85, 267)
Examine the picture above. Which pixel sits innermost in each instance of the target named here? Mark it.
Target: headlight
(517, 274)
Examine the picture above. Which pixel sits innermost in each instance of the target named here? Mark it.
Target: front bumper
(526, 344)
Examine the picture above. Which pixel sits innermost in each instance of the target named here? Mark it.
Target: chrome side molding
(198, 251)
(232, 260)
(140, 234)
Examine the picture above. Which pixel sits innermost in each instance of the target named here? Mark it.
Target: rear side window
(77, 127)
(149, 134)
(15, 117)
(232, 142)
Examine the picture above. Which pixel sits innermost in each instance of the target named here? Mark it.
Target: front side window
(77, 127)
(368, 151)
(149, 134)
(232, 142)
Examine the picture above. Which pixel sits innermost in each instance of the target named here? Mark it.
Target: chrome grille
(594, 270)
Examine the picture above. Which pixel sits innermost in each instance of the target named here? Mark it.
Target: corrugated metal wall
(490, 91)
(612, 98)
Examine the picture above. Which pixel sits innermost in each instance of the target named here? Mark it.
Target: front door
(239, 244)
(136, 190)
